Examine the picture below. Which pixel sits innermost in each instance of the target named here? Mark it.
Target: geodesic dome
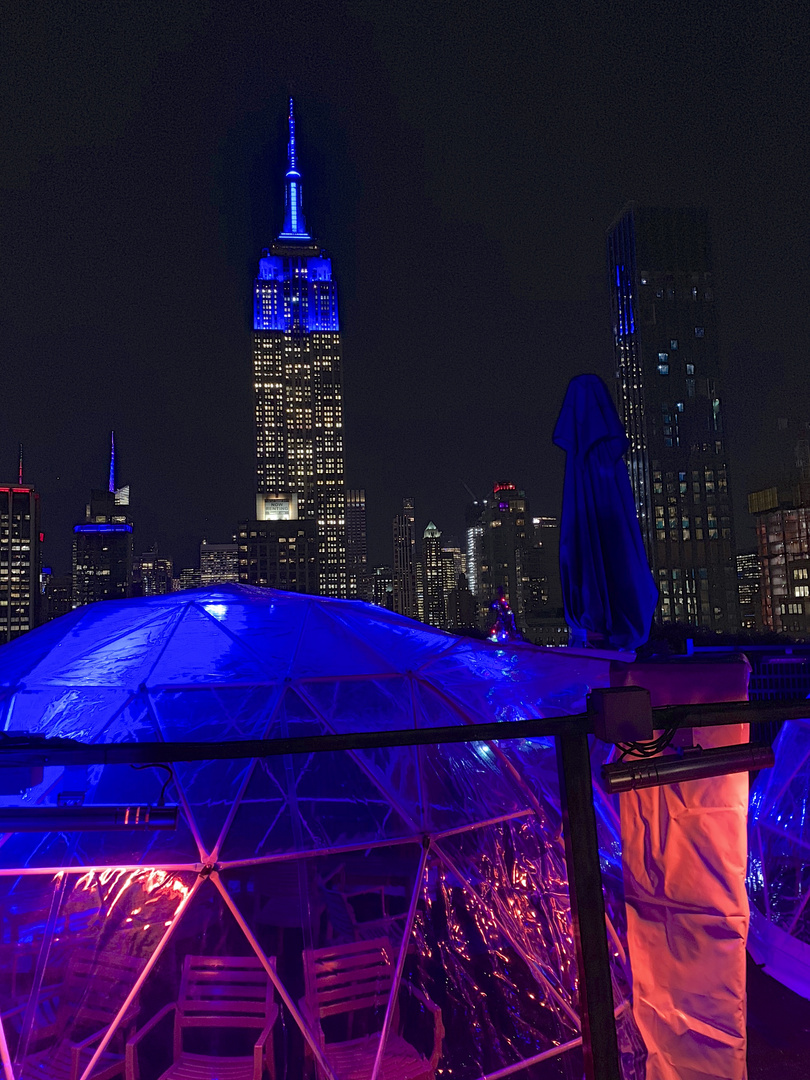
(451, 855)
(779, 861)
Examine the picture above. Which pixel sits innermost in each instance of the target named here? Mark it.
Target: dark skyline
(461, 167)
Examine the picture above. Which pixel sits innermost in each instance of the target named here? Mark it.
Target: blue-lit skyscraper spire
(111, 488)
(295, 226)
(298, 387)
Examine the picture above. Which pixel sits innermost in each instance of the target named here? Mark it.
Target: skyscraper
(748, 582)
(782, 515)
(404, 594)
(360, 583)
(152, 574)
(434, 584)
(503, 545)
(102, 545)
(298, 387)
(668, 374)
(19, 560)
(219, 563)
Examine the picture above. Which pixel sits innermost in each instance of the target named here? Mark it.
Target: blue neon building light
(295, 292)
(295, 226)
(103, 527)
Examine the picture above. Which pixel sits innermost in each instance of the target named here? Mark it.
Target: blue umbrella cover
(608, 588)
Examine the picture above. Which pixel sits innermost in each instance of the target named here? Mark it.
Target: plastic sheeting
(779, 861)
(452, 854)
(684, 848)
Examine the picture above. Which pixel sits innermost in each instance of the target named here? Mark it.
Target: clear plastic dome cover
(395, 912)
(779, 861)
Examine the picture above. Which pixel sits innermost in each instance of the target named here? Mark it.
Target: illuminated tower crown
(295, 226)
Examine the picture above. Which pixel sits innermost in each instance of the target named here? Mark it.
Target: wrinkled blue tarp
(607, 586)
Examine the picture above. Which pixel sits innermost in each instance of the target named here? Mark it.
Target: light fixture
(690, 765)
(101, 818)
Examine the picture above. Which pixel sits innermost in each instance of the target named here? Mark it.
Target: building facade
(19, 560)
(783, 546)
(281, 554)
(544, 616)
(748, 586)
(298, 387)
(102, 551)
(360, 584)
(505, 537)
(435, 600)
(382, 581)
(219, 563)
(57, 594)
(152, 574)
(667, 356)
(405, 600)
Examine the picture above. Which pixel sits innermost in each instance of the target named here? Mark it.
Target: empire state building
(298, 386)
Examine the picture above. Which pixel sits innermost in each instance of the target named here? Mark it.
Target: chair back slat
(234, 990)
(346, 978)
(94, 987)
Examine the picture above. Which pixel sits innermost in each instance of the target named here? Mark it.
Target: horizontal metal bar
(16, 750)
(66, 752)
(691, 765)
(721, 713)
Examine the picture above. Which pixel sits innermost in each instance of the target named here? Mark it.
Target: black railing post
(599, 1042)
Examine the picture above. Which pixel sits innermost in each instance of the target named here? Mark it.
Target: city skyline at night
(467, 229)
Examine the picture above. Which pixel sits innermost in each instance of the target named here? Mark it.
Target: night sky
(461, 165)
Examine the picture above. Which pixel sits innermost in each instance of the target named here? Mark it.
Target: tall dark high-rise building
(102, 552)
(382, 579)
(152, 574)
(405, 600)
(19, 560)
(542, 585)
(102, 546)
(57, 594)
(298, 387)
(219, 563)
(504, 541)
(748, 583)
(360, 584)
(279, 554)
(435, 601)
(667, 356)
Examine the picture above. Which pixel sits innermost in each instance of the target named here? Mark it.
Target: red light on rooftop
(503, 487)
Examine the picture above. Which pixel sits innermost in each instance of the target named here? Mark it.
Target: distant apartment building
(19, 560)
(667, 355)
(748, 584)
(360, 585)
(404, 598)
(279, 554)
(219, 563)
(57, 594)
(382, 593)
(102, 550)
(783, 547)
(435, 583)
(152, 574)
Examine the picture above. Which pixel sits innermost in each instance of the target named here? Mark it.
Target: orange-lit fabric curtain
(684, 850)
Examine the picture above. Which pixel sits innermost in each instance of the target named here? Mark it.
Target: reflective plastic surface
(442, 866)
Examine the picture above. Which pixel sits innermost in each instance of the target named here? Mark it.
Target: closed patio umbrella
(608, 589)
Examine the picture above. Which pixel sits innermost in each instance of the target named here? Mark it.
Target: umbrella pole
(599, 1043)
